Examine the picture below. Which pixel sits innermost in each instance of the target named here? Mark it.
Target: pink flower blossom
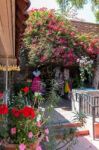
(13, 131)
(90, 50)
(38, 147)
(47, 131)
(43, 9)
(47, 139)
(22, 146)
(30, 135)
(72, 33)
(39, 124)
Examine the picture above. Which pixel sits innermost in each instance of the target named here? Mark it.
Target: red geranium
(28, 112)
(3, 109)
(16, 113)
(25, 89)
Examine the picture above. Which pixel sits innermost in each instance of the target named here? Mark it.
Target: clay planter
(14, 146)
(9, 147)
(31, 146)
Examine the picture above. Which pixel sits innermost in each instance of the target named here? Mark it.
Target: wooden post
(93, 121)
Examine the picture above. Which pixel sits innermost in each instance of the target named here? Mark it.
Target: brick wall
(85, 27)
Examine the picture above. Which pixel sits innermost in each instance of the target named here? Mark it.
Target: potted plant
(22, 125)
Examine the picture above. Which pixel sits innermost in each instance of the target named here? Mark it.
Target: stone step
(68, 125)
(77, 134)
(76, 128)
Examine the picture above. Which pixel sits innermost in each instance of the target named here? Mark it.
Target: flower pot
(9, 147)
(31, 146)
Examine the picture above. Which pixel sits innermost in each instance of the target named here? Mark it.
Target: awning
(12, 18)
(7, 32)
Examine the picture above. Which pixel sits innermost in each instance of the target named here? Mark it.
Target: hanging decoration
(67, 87)
(9, 68)
(36, 83)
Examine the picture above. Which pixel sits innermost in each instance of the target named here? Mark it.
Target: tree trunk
(96, 77)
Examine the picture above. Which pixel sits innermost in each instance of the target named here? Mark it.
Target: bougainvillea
(51, 39)
(85, 66)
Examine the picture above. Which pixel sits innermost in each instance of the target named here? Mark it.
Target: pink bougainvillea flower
(47, 139)
(39, 124)
(30, 135)
(90, 50)
(59, 39)
(13, 131)
(38, 147)
(47, 131)
(22, 146)
(72, 33)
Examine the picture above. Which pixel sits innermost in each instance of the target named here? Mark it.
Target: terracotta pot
(14, 146)
(10, 147)
(32, 146)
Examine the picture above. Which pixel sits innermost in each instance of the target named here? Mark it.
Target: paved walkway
(61, 115)
(86, 143)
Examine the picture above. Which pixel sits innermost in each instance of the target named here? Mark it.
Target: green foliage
(79, 4)
(3, 128)
(97, 15)
(85, 67)
(17, 101)
(52, 95)
(81, 117)
(23, 56)
(24, 126)
(18, 86)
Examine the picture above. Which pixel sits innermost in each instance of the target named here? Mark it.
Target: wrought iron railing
(89, 105)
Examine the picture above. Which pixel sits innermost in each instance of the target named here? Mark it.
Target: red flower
(28, 112)
(3, 109)
(25, 89)
(16, 113)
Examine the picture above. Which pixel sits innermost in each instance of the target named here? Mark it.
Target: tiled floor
(86, 143)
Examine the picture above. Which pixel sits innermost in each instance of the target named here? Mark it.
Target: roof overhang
(12, 25)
